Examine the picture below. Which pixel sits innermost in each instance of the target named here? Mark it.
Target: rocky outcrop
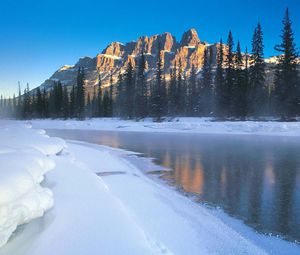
(190, 38)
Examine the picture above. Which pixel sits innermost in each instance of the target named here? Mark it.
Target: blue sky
(39, 36)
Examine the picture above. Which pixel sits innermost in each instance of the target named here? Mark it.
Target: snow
(66, 67)
(110, 56)
(24, 162)
(105, 205)
(182, 125)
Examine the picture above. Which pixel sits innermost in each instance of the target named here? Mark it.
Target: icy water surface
(254, 178)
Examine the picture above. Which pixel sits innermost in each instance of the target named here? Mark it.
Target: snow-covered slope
(23, 164)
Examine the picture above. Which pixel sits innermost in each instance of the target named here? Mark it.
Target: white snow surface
(23, 164)
(105, 205)
(182, 125)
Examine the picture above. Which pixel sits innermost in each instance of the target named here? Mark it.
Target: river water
(253, 178)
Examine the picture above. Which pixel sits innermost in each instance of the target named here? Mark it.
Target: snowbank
(190, 125)
(23, 164)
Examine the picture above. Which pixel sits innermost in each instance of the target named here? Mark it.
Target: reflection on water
(254, 178)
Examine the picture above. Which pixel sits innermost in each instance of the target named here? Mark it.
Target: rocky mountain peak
(190, 38)
(114, 49)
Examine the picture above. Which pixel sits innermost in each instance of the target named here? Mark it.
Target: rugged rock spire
(190, 38)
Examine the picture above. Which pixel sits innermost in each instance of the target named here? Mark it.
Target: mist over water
(254, 178)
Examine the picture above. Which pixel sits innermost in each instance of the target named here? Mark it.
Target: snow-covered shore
(23, 164)
(182, 125)
(104, 205)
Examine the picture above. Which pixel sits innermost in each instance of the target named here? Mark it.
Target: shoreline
(182, 126)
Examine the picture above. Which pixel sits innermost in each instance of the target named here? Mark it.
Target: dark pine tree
(229, 77)
(94, 103)
(158, 98)
(65, 104)
(240, 86)
(258, 92)
(193, 93)
(14, 103)
(20, 103)
(129, 91)
(45, 104)
(141, 90)
(179, 90)
(80, 102)
(88, 107)
(111, 100)
(206, 90)
(58, 99)
(99, 110)
(120, 97)
(105, 104)
(287, 83)
(72, 108)
(172, 94)
(39, 103)
(220, 90)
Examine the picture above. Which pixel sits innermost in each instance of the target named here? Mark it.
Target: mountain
(114, 58)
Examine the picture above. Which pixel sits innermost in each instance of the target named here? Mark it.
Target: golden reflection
(196, 184)
(110, 140)
(188, 174)
(223, 180)
(269, 174)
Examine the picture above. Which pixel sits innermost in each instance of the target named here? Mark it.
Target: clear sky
(39, 36)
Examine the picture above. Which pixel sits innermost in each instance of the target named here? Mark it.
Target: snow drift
(23, 164)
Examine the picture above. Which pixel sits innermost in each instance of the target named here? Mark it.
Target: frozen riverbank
(23, 163)
(185, 125)
(96, 211)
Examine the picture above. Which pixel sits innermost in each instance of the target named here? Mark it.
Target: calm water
(253, 178)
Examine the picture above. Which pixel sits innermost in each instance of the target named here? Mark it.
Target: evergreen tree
(39, 103)
(129, 91)
(27, 103)
(65, 104)
(257, 74)
(99, 98)
(120, 97)
(172, 91)
(58, 99)
(141, 87)
(80, 98)
(229, 77)
(20, 103)
(111, 102)
(193, 93)
(72, 108)
(159, 97)
(45, 104)
(105, 104)
(88, 106)
(286, 75)
(14, 106)
(220, 89)
(206, 91)
(246, 84)
(179, 90)
(94, 103)
(240, 86)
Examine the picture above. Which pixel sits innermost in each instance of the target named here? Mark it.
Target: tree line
(233, 87)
